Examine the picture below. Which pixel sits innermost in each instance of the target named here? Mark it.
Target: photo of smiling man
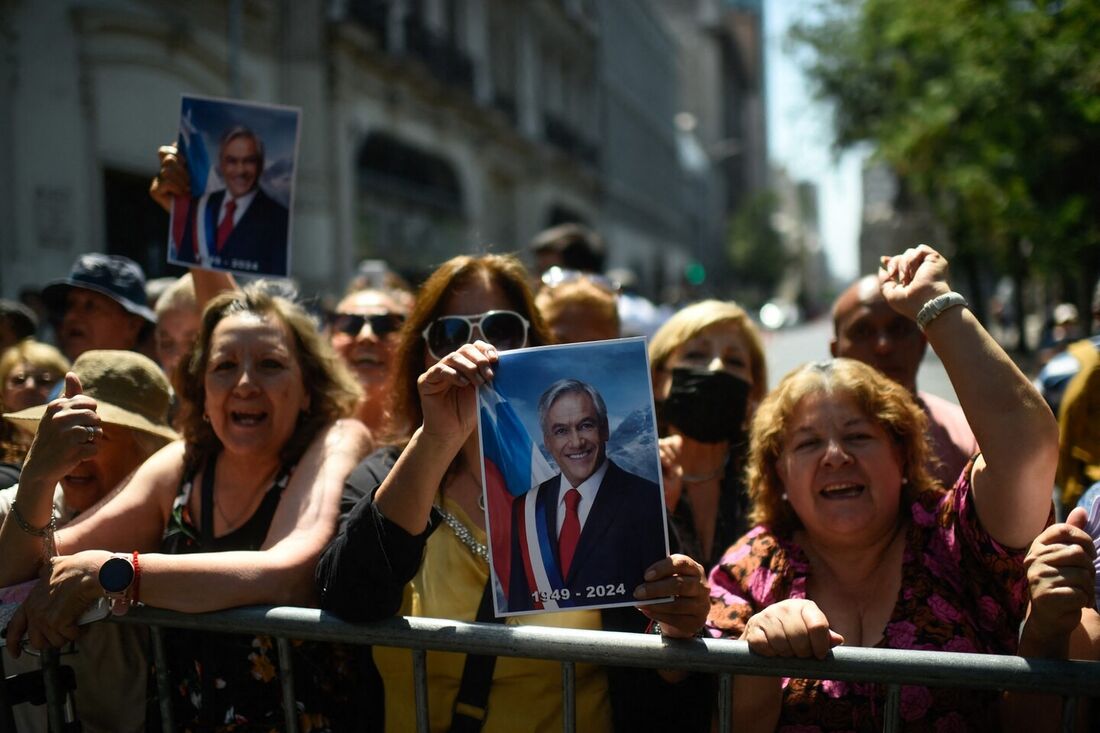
(584, 533)
(238, 215)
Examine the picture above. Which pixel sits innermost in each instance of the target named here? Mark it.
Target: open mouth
(247, 419)
(842, 491)
(79, 480)
(367, 360)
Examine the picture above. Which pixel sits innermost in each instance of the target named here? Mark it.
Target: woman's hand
(172, 179)
(672, 471)
(1061, 578)
(913, 278)
(448, 391)
(792, 628)
(67, 435)
(684, 579)
(49, 615)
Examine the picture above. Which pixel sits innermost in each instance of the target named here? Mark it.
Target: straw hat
(130, 390)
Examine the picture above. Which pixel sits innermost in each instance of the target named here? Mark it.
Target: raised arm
(1018, 435)
(448, 399)
(173, 180)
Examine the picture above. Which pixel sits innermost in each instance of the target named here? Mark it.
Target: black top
(732, 521)
(363, 572)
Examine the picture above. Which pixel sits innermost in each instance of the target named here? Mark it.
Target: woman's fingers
(792, 628)
(13, 635)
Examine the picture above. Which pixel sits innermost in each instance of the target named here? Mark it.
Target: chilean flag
(513, 466)
(203, 177)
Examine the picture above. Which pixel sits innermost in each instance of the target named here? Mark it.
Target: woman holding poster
(391, 555)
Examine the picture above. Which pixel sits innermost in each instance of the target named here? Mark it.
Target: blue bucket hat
(119, 278)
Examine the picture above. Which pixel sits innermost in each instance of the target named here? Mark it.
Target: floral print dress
(231, 682)
(960, 591)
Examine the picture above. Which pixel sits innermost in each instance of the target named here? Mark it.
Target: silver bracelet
(49, 545)
(931, 310)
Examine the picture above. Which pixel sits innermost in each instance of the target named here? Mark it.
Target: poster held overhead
(241, 161)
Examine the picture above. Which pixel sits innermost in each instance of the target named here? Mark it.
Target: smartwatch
(115, 577)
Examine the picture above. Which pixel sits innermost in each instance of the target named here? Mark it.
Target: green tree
(756, 250)
(988, 110)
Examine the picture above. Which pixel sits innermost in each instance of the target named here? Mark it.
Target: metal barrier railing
(893, 668)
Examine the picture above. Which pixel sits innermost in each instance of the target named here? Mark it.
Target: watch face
(115, 575)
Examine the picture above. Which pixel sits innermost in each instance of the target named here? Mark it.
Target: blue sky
(800, 136)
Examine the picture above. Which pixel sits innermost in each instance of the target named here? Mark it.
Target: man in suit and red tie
(242, 227)
(586, 536)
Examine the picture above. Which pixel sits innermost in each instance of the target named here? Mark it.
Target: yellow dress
(526, 693)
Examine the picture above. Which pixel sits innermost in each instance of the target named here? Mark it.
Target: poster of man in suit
(574, 501)
(240, 159)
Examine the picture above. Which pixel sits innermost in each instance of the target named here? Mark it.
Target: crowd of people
(225, 447)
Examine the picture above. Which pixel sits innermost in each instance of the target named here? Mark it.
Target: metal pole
(568, 697)
(286, 679)
(725, 702)
(420, 689)
(164, 680)
(7, 717)
(234, 42)
(892, 714)
(1069, 714)
(55, 694)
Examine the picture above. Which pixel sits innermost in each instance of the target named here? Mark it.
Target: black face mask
(706, 406)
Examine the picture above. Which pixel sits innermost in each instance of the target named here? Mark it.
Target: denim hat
(119, 278)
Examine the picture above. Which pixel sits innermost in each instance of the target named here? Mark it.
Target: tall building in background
(429, 127)
(891, 220)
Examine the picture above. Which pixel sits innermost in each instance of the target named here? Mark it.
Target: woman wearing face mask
(709, 374)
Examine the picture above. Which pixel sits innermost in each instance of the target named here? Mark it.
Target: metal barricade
(1068, 679)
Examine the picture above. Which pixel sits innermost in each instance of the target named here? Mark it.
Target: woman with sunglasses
(28, 371)
(392, 556)
(363, 331)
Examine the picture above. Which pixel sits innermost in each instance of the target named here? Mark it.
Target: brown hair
(879, 397)
(333, 391)
(503, 271)
(690, 321)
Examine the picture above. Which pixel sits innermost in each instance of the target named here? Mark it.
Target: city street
(790, 347)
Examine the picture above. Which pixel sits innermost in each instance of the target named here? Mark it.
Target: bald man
(867, 329)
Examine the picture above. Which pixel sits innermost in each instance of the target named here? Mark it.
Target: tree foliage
(988, 109)
(756, 250)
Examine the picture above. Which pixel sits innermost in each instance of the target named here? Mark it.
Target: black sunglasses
(382, 324)
(503, 329)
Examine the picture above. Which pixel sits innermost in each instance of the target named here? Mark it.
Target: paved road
(793, 347)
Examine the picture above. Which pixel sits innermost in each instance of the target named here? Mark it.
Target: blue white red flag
(203, 177)
(513, 466)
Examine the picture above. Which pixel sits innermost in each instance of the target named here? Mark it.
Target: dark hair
(333, 391)
(579, 247)
(502, 271)
(21, 319)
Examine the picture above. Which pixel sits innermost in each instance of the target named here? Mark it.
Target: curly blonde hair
(879, 397)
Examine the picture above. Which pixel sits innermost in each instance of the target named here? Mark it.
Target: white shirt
(588, 490)
(242, 206)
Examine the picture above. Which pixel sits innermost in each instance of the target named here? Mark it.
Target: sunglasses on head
(556, 276)
(503, 329)
(42, 379)
(382, 324)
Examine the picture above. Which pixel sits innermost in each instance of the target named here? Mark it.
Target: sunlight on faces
(369, 356)
(240, 165)
(470, 299)
(94, 321)
(26, 386)
(117, 454)
(841, 470)
(254, 387)
(874, 333)
(574, 436)
(176, 332)
(720, 347)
